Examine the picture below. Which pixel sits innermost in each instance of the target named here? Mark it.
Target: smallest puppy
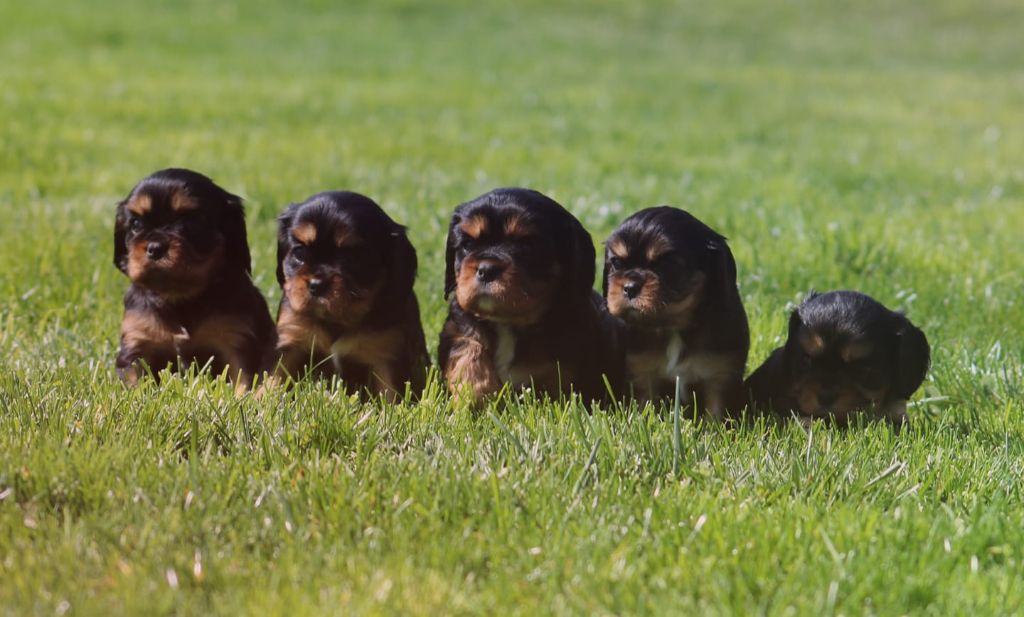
(845, 354)
(347, 271)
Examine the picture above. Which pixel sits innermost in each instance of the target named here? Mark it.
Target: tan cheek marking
(136, 260)
(296, 289)
(616, 299)
(140, 205)
(181, 202)
(304, 233)
(474, 226)
(650, 294)
(465, 284)
(812, 343)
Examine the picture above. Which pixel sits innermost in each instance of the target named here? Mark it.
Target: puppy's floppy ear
(604, 276)
(449, 257)
(914, 359)
(232, 226)
(120, 233)
(726, 259)
(403, 261)
(791, 348)
(795, 321)
(284, 227)
(580, 278)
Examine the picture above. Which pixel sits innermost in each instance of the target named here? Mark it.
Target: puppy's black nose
(632, 289)
(488, 271)
(317, 286)
(156, 250)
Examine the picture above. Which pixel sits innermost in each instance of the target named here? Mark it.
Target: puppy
(672, 279)
(845, 354)
(519, 275)
(348, 309)
(181, 240)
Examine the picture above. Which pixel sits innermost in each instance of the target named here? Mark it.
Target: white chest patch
(505, 352)
(341, 348)
(674, 365)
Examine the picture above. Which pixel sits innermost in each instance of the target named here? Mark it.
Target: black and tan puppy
(181, 240)
(845, 354)
(347, 271)
(519, 273)
(672, 279)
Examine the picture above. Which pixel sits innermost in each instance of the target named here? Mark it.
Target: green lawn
(869, 145)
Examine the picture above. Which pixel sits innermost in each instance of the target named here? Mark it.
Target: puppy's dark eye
(615, 263)
(135, 223)
(465, 246)
(300, 253)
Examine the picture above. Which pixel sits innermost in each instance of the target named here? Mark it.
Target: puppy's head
(660, 264)
(513, 253)
(846, 353)
(177, 231)
(339, 257)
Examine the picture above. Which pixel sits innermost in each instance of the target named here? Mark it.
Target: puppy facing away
(348, 309)
(519, 275)
(672, 279)
(845, 354)
(181, 240)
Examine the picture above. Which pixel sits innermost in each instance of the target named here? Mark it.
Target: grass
(871, 145)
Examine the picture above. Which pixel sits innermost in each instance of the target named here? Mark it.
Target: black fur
(572, 335)
(227, 293)
(692, 266)
(378, 253)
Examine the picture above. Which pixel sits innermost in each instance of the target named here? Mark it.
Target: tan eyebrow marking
(181, 201)
(812, 343)
(856, 350)
(474, 226)
(304, 233)
(344, 235)
(516, 227)
(617, 248)
(657, 247)
(140, 205)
